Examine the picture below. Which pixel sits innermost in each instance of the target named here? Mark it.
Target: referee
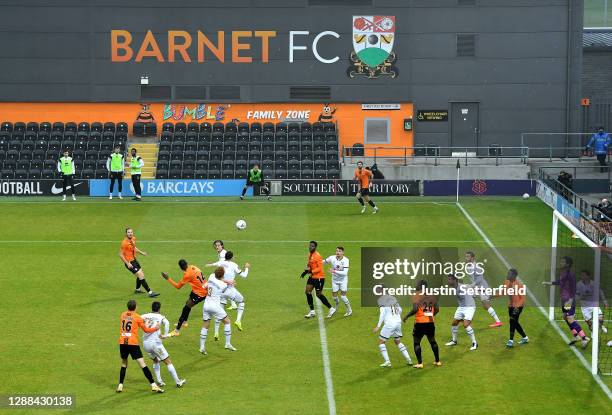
(136, 165)
(115, 166)
(65, 165)
(255, 178)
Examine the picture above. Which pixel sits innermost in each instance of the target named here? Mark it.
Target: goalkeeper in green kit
(255, 179)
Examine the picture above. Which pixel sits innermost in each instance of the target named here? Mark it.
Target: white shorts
(234, 295)
(464, 313)
(340, 285)
(587, 313)
(211, 310)
(155, 350)
(394, 331)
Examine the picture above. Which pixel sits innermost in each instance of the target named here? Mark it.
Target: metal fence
(587, 210)
(468, 155)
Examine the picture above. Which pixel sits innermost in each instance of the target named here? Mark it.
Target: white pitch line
(326, 366)
(247, 241)
(579, 355)
(144, 202)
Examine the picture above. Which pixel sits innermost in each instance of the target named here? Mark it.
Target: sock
(512, 328)
(157, 372)
(470, 331)
(383, 352)
(336, 301)
(122, 374)
(203, 334)
(323, 299)
(217, 324)
(454, 330)
(244, 190)
(371, 203)
(183, 318)
(143, 282)
(138, 283)
(266, 191)
(361, 201)
(240, 311)
(434, 348)
(310, 301)
(227, 331)
(172, 371)
(493, 314)
(404, 352)
(346, 302)
(417, 352)
(577, 330)
(519, 328)
(148, 374)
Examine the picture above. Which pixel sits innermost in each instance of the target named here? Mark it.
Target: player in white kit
(152, 344)
(339, 270)
(231, 270)
(585, 292)
(478, 280)
(465, 312)
(213, 309)
(391, 320)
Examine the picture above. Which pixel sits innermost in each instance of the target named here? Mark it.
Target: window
(377, 131)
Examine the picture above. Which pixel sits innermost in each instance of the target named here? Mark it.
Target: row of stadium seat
(59, 146)
(247, 137)
(242, 174)
(244, 155)
(251, 146)
(245, 127)
(8, 174)
(63, 127)
(59, 136)
(243, 165)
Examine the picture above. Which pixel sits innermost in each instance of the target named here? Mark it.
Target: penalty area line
(504, 261)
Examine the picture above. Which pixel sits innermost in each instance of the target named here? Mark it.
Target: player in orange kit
(129, 345)
(424, 308)
(363, 176)
(192, 275)
(127, 253)
(316, 279)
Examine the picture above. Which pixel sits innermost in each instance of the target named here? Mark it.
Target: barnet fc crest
(373, 56)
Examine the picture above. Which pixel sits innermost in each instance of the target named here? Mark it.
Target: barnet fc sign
(373, 38)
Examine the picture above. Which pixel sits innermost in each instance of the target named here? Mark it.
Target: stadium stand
(186, 151)
(31, 151)
(214, 151)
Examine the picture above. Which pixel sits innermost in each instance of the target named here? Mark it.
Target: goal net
(592, 266)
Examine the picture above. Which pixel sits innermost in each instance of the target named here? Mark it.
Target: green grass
(61, 303)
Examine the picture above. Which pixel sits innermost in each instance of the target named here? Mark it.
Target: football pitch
(64, 287)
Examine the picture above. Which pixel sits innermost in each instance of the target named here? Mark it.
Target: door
(464, 126)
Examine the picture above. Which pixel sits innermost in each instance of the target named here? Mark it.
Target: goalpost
(566, 235)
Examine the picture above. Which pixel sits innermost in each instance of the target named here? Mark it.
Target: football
(241, 225)
(525, 195)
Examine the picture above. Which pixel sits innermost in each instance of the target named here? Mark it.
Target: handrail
(585, 208)
(450, 152)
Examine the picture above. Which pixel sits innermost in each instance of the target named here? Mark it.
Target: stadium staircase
(148, 151)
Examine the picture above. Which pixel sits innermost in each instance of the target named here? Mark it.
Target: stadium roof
(597, 38)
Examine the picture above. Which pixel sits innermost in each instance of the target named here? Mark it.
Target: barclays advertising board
(173, 188)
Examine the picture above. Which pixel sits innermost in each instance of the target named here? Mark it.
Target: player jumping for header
(363, 176)
(192, 276)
